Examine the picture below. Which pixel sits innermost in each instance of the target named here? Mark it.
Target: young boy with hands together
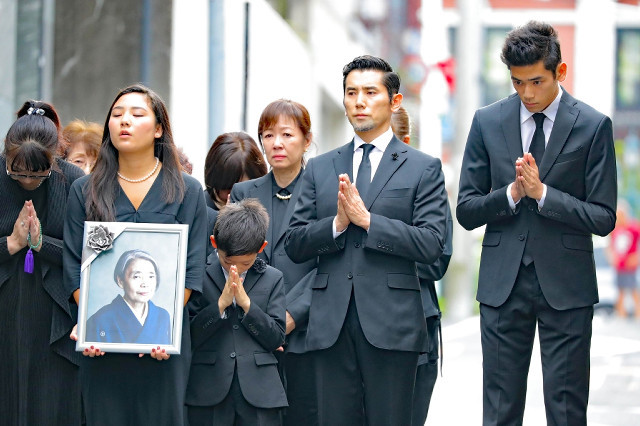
(236, 324)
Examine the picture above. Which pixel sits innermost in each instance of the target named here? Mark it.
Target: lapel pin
(394, 156)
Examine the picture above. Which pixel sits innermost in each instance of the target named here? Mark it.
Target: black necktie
(364, 171)
(537, 142)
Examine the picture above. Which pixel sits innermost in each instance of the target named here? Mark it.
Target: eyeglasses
(16, 176)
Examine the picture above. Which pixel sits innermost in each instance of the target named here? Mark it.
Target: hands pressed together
(27, 222)
(233, 288)
(351, 208)
(527, 182)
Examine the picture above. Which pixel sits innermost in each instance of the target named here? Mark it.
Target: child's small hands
(226, 298)
(242, 298)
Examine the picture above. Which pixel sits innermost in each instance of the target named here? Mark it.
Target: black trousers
(426, 375)
(360, 384)
(234, 410)
(508, 332)
(300, 381)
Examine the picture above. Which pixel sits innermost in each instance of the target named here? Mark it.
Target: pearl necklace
(142, 179)
(283, 197)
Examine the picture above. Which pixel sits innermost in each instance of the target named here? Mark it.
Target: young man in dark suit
(236, 324)
(366, 321)
(539, 171)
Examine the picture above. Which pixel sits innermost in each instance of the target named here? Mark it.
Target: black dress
(122, 389)
(38, 364)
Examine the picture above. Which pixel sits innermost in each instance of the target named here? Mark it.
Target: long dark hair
(32, 140)
(103, 187)
(232, 155)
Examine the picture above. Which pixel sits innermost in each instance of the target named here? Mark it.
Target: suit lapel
(343, 161)
(392, 159)
(214, 270)
(250, 279)
(510, 110)
(565, 119)
(263, 192)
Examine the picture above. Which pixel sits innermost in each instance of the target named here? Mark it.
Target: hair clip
(394, 156)
(33, 110)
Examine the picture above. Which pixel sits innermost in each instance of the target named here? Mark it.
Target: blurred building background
(218, 63)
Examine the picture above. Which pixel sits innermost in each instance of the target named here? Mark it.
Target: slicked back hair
(530, 43)
(390, 79)
(241, 227)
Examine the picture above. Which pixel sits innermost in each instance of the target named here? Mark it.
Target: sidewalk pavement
(615, 376)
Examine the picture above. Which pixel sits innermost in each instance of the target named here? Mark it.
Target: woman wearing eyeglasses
(38, 363)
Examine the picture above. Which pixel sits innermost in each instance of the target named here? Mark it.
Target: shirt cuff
(512, 203)
(336, 234)
(544, 195)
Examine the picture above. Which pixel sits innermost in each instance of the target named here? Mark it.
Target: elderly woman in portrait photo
(132, 317)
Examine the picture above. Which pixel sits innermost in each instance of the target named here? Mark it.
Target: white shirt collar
(550, 111)
(380, 142)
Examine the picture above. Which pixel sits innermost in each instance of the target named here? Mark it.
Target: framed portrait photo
(132, 286)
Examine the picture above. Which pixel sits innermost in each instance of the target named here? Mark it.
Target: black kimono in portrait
(121, 388)
(38, 362)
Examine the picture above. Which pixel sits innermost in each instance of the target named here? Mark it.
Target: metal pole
(247, 8)
(461, 273)
(145, 42)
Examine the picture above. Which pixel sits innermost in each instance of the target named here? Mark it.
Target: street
(615, 376)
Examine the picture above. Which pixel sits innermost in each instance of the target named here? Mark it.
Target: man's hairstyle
(390, 79)
(241, 227)
(530, 43)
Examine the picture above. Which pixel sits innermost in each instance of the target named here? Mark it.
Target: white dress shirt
(528, 128)
(375, 156)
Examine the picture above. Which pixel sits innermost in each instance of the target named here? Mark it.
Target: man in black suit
(539, 171)
(366, 320)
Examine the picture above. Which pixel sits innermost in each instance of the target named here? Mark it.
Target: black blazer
(579, 169)
(64, 314)
(407, 201)
(243, 340)
(435, 271)
(274, 254)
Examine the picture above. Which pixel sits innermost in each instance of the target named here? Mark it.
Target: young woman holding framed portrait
(137, 178)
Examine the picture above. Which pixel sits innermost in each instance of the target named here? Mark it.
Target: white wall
(190, 80)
